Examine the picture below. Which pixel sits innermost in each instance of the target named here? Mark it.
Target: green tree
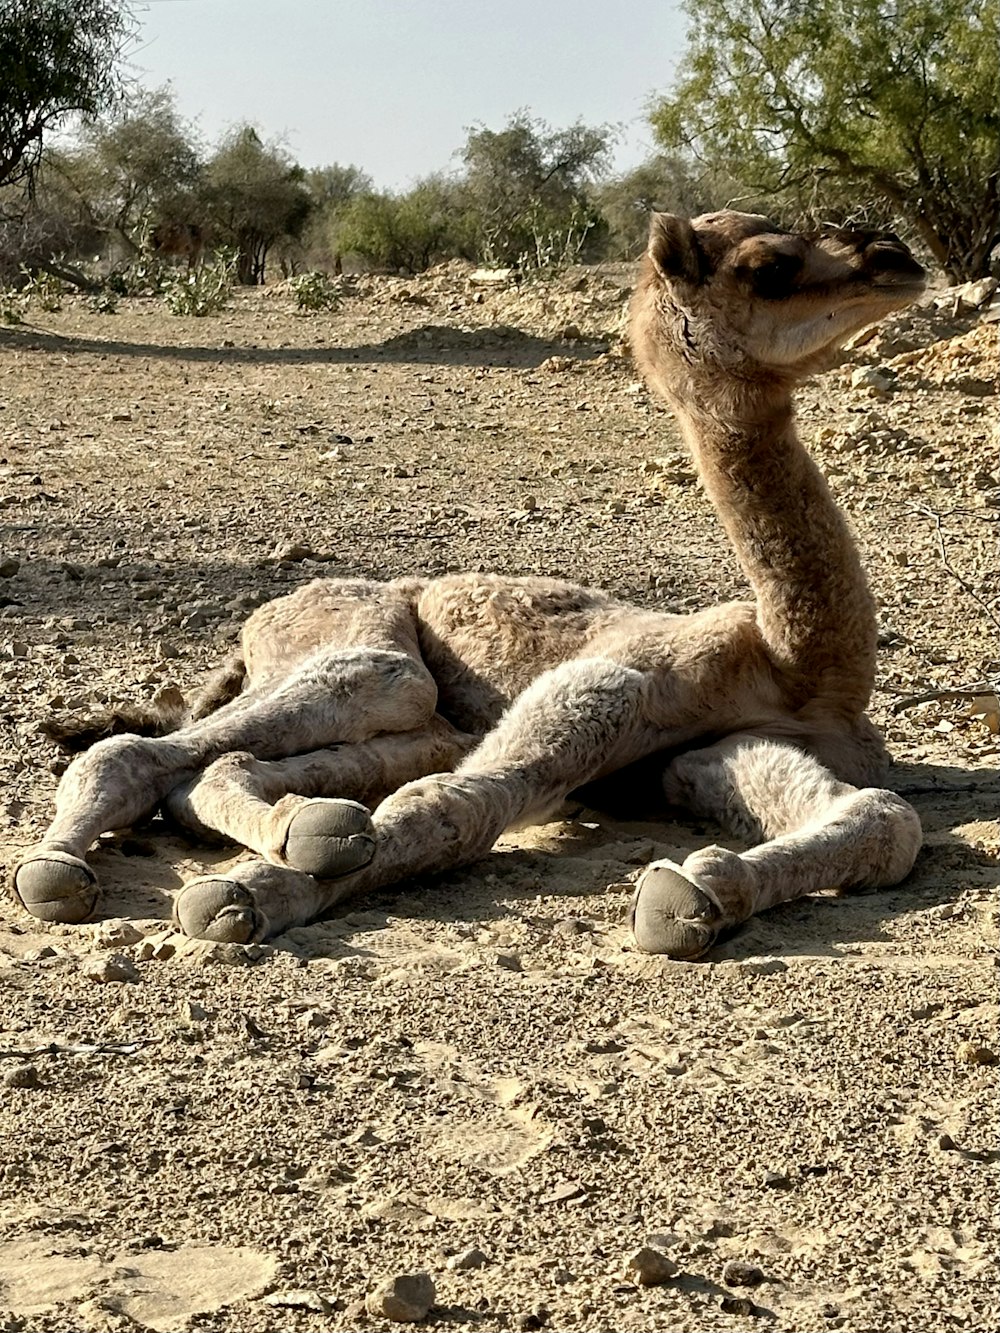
(527, 186)
(669, 182)
(255, 195)
(898, 97)
(134, 169)
(408, 231)
(56, 57)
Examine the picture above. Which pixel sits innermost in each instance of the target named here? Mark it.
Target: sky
(393, 85)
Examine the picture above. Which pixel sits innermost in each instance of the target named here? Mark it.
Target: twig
(959, 579)
(963, 692)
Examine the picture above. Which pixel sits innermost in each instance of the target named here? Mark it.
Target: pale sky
(391, 85)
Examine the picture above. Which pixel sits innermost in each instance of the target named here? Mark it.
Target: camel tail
(166, 713)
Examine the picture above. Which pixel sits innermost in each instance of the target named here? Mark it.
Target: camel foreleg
(817, 833)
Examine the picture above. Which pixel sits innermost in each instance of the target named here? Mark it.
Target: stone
(738, 1273)
(468, 1259)
(649, 1267)
(968, 1053)
(9, 567)
(867, 377)
(761, 967)
(113, 967)
(405, 1299)
(21, 1076)
(116, 935)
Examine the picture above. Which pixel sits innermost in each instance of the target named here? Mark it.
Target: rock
(650, 1268)
(509, 962)
(468, 1259)
(867, 377)
(976, 294)
(776, 1180)
(292, 551)
(738, 1273)
(405, 1299)
(113, 967)
(116, 935)
(9, 567)
(968, 1053)
(21, 1076)
(737, 1305)
(761, 967)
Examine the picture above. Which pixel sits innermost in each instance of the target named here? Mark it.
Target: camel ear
(674, 249)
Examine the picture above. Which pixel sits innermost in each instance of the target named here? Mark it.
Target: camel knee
(894, 835)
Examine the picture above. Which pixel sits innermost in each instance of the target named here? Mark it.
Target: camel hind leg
(559, 733)
(816, 833)
(343, 693)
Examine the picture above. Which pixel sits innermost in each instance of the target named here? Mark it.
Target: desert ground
(476, 1077)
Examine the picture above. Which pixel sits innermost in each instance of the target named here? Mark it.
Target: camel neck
(813, 605)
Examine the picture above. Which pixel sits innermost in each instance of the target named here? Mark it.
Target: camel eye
(774, 277)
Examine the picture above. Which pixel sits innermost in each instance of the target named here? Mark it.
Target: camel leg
(269, 805)
(818, 833)
(574, 721)
(336, 696)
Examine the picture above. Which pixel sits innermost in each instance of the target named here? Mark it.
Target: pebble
(21, 1076)
(405, 1299)
(9, 567)
(532, 1319)
(738, 1273)
(761, 967)
(468, 1259)
(509, 962)
(116, 935)
(776, 1180)
(968, 1053)
(737, 1305)
(650, 1268)
(113, 967)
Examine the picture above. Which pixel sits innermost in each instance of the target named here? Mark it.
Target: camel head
(731, 296)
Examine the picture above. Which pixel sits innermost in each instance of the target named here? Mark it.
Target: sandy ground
(252, 1139)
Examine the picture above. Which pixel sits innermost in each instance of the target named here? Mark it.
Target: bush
(203, 290)
(315, 291)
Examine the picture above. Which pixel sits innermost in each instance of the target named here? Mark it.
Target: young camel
(469, 703)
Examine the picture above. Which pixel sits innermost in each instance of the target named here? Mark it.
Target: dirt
(476, 1077)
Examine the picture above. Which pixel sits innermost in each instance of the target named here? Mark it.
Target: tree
(669, 182)
(527, 185)
(136, 168)
(255, 195)
(408, 231)
(56, 57)
(898, 97)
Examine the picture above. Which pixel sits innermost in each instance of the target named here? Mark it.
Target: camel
(179, 240)
(367, 732)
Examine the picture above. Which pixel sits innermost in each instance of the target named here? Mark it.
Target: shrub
(203, 290)
(315, 291)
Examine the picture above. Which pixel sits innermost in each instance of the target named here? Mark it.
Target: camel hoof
(671, 915)
(329, 838)
(213, 908)
(54, 886)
